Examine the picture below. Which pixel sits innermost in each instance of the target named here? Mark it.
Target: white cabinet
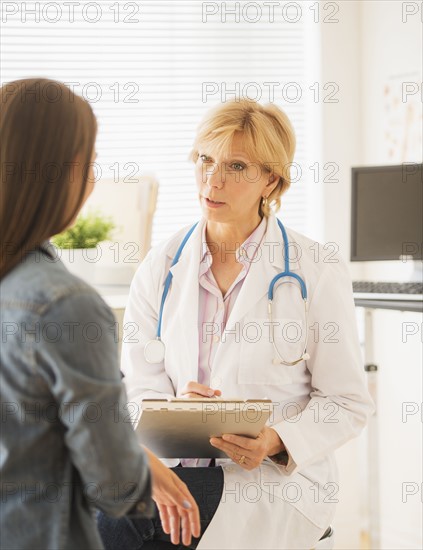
(394, 344)
(380, 497)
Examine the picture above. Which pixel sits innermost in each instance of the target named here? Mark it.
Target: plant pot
(81, 261)
(100, 265)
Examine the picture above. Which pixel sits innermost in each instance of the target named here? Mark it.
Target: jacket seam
(41, 309)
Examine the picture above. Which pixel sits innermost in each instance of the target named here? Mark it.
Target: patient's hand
(178, 510)
(194, 389)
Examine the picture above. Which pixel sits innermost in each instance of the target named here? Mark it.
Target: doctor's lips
(213, 204)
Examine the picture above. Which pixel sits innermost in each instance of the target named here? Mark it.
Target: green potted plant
(78, 246)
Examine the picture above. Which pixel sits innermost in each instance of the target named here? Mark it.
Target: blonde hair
(268, 138)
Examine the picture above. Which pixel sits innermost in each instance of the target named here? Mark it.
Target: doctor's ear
(272, 182)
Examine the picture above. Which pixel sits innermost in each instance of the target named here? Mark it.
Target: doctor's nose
(214, 176)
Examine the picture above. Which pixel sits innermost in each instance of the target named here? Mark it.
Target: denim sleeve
(80, 365)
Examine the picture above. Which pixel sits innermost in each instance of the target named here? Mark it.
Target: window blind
(151, 70)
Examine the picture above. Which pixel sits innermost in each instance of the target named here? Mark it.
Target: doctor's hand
(177, 507)
(194, 389)
(247, 452)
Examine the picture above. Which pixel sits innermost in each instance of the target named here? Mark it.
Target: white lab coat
(319, 404)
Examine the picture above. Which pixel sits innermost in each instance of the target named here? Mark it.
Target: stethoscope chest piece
(154, 351)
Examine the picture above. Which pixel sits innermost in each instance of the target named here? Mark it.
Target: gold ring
(241, 460)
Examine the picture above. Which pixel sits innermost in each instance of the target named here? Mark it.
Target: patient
(65, 447)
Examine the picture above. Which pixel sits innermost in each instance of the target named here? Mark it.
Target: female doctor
(200, 302)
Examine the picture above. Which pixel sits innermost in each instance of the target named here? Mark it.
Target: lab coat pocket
(258, 354)
(302, 490)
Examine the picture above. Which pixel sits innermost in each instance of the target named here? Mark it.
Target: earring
(265, 201)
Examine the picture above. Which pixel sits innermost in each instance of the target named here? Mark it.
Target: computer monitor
(387, 212)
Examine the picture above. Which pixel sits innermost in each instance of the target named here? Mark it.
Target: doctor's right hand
(177, 507)
(196, 390)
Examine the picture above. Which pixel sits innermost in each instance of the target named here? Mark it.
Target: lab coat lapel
(183, 303)
(183, 299)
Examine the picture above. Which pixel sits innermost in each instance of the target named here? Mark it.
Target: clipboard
(181, 428)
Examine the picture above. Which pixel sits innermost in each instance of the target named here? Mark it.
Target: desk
(403, 305)
(115, 296)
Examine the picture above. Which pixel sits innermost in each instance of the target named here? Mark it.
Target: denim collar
(48, 248)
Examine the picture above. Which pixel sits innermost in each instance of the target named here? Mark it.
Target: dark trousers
(205, 485)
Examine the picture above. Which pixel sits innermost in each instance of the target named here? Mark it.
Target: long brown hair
(44, 126)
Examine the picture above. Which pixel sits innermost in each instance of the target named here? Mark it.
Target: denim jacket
(67, 442)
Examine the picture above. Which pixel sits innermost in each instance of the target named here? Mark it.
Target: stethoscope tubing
(158, 347)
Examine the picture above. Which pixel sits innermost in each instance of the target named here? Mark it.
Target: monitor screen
(387, 212)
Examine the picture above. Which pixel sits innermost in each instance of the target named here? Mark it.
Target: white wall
(392, 56)
(341, 63)
(369, 49)
(341, 143)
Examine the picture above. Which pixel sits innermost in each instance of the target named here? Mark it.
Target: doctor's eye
(237, 166)
(205, 158)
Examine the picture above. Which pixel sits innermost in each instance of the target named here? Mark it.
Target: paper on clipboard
(181, 428)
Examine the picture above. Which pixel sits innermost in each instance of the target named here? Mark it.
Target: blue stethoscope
(154, 350)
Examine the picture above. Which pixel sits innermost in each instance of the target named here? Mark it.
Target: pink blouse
(214, 308)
